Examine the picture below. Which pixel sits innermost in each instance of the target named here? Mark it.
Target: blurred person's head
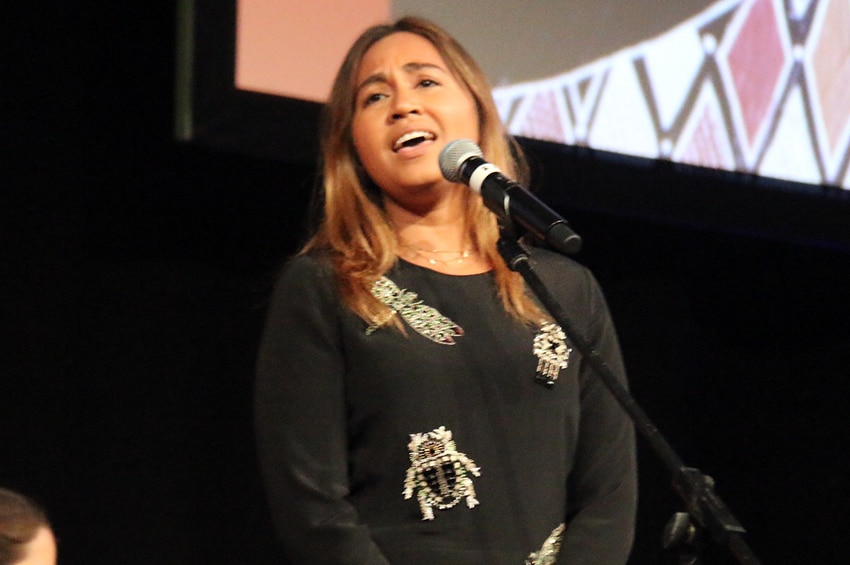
(26, 537)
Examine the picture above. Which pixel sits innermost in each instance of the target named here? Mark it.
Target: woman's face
(408, 106)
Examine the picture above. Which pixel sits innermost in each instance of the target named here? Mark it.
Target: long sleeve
(602, 488)
(300, 422)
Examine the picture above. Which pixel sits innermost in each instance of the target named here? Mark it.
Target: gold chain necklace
(457, 260)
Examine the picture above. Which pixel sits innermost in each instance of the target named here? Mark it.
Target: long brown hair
(354, 228)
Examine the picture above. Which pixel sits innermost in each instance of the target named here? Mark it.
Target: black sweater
(337, 405)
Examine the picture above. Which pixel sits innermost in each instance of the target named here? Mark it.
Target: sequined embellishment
(439, 473)
(551, 349)
(425, 320)
(548, 554)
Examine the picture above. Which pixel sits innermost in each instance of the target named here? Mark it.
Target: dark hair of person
(20, 520)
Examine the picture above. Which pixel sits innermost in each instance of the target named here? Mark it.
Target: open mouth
(412, 139)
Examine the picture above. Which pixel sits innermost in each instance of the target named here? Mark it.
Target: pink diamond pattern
(542, 120)
(757, 61)
(707, 143)
(830, 67)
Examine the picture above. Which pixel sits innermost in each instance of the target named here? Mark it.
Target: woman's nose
(405, 103)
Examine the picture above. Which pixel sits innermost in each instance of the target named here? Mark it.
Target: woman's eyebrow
(381, 77)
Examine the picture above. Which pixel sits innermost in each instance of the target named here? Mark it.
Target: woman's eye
(427, 82)
(372, 98)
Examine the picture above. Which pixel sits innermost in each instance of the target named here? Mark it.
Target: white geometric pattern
(797, 8)
(591, 84)
(622, 123)
(792, 55)
(681, 49)
(790, 154)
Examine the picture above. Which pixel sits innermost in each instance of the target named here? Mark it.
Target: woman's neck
(437, 239)
(443, 247)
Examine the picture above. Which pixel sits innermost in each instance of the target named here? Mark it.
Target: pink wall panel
(294, 48)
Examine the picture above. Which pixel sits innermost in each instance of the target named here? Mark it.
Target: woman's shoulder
(305, 273)
(575, 287)
(311, 263)
(551, 261)
(566, 277)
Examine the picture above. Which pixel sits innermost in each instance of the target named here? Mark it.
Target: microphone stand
(706, 512)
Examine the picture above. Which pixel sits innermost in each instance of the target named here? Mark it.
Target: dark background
(134, 272)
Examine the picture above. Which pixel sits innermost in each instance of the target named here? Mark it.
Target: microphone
(462, 161)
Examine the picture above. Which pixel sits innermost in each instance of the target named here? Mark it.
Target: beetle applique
(439, 473)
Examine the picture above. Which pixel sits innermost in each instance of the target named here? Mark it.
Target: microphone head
(454, 155)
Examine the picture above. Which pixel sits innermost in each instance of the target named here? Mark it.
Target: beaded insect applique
(425, 320)
(552, 353)
(439, 473)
